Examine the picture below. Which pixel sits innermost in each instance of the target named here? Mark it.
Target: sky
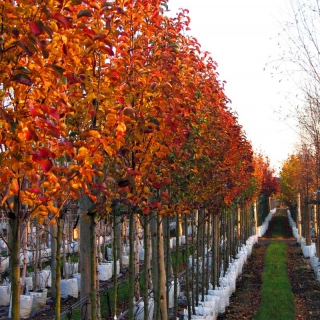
(243, 37)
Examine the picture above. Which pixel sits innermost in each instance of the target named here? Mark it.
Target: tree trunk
(25, 251)
(308, 225)
(58, 269)
(255, 214)
(167, 253)
(146, 267)
(93, 269)
(115, 257)
(176, 265)
(162, 276)
(203, 232)
(155, 266)
(15, 267)
(187, 268)
(84, 253)
(299, 219)
(193, 224)
(53, 231)
(198, 250)
(137, 256)
(131, 265)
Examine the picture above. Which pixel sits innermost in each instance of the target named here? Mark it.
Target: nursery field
(245, 302)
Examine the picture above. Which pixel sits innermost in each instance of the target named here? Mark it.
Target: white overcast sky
(242, 37)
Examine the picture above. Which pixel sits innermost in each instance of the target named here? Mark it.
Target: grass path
(277, 299)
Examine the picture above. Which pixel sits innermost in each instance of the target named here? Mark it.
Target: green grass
(277, 300)
(278, 230)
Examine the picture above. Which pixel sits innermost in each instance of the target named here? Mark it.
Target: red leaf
(54, 114)
(35, 28)
(156, 185)
(107, 50)
(46, 165)
(99, 36)
(154, 205)
(146, 210)
(43, 199)
(59, 17)
(89, 32)
(44, 153)
(35, 190)
(155, 15)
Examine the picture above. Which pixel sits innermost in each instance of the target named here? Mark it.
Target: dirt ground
(245, 301)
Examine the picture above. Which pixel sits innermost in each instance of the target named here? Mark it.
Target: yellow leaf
(53, 222)
(40, 220)
(106, 146)
(14, 185)
(94, 134)
(88, 160)
(146, 189)
(29, 202)
(83, 152)
(121, 127)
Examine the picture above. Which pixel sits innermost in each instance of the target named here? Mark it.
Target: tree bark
(93, 269)
(53, 231)
(85, 267)
(15, 267)
(131, 265)
(187, 268)
(146, 267)
(58, 269)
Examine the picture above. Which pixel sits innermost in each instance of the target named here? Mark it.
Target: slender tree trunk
(119, 239)
(36, 263)
(53, 231)
(93, 269)
(203, 229)
(318, 222)
(58, 269)
(155, 264)
(193, 224)
(255, 214)
(115, 258)
(162, 275)
(207, 255)
(187, 268)
(308, 225)
(299, 219)
(25, 252)
(198, 250)
(15, 267)
(213, 249)
(85, 266)
(131, 265)
(176, 265)
(137, 257)
(146, 267)
(168, 260)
